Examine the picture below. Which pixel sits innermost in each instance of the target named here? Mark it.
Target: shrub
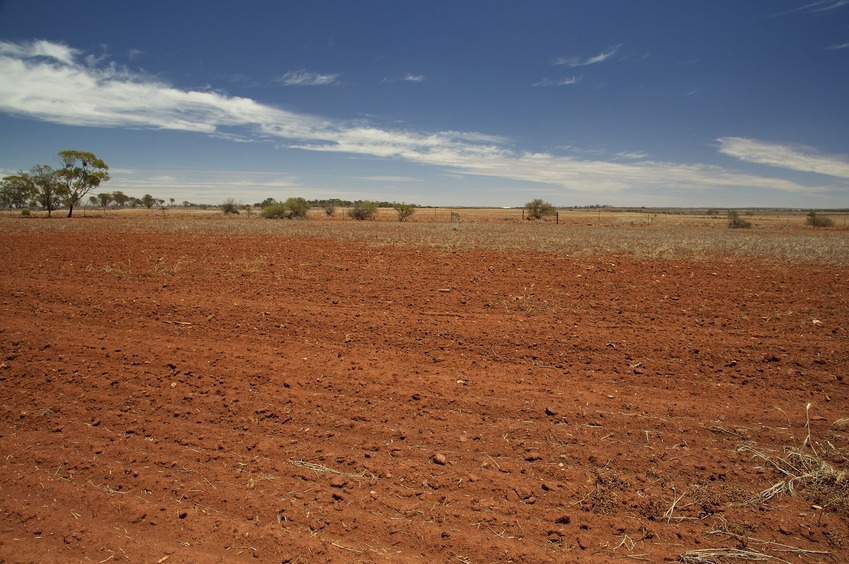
(404, 210)
(329, 209)
(362, 210)
(293, 208)
(815, 220)
(537, 209)
(25, 213)
(230, 207)
(275, 211)
(298, 208)
(737, 222)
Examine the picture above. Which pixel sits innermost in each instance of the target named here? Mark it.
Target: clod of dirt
(563, 520)
(550, 412)
(583, 542)
(440, 459)
(338, 482)
(532, 456)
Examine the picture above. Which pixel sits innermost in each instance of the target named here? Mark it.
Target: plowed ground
(222, 396)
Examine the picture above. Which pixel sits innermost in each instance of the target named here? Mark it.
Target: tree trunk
(70, 211)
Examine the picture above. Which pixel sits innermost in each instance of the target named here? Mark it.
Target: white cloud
(792, 157)
(306, 78)
(54, 83)
(582, 62)
(564, 81)
(391, 179)
(414, 78)
(837, 47)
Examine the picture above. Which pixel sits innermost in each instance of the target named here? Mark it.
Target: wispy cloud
(563, 81)
(409, 77)
(837, 46)
(389, 178)
(816, 6)
(788, 156)
(824, 5)
(54, 83)
(307, 78)
(582, 62)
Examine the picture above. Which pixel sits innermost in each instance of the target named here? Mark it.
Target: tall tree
(120, 198)
(17, 191)
(46, 182)
(81, 172)
(105, 198)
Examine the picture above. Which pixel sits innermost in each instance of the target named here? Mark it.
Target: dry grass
(813, 470)
(579, 233)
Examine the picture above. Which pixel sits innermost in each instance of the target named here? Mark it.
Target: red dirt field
(229, 396)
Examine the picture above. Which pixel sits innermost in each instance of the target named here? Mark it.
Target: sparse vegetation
(293, 208)
(230, 207)
(404, 210)
(735, 221)
(538, 209)
(815, 220)
(362, 210)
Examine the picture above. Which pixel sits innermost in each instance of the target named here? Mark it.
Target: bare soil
(226, 397)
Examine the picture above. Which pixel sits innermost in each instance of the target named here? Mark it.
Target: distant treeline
(335, 202)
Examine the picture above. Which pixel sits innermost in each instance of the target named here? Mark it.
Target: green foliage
(293, 208)
(147, 201)
(363, 209)
(25, 213)
(815, 220)
(404, 210)
(298, 208)
(17, 191)
(329, 208)
(537, 209)
(46, 183)
(81, 172)
(229, 206)
(120, 198)
(105, 198)
(737, 222)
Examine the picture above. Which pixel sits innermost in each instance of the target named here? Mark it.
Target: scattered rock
(338, 482)
(440, 459)
(788, 529)
(532, 456)
(583, 542)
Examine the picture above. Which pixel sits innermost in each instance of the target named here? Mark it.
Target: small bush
(25, 213)
(737, 222)
(537, 209)
(329, 209)
(404, 210)
(230, 207)
(815, 220)
(363, 209)
(275, 211)
(293, 208)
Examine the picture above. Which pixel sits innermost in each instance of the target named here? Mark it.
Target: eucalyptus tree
(81, 172)
(47, 187)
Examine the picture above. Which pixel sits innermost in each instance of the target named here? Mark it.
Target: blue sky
(457, 103)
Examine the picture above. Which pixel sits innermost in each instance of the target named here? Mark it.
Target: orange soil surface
(233, 397)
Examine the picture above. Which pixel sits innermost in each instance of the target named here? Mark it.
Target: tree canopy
(81, 172)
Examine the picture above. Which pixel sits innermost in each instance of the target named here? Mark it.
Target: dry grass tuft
(811, 470)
